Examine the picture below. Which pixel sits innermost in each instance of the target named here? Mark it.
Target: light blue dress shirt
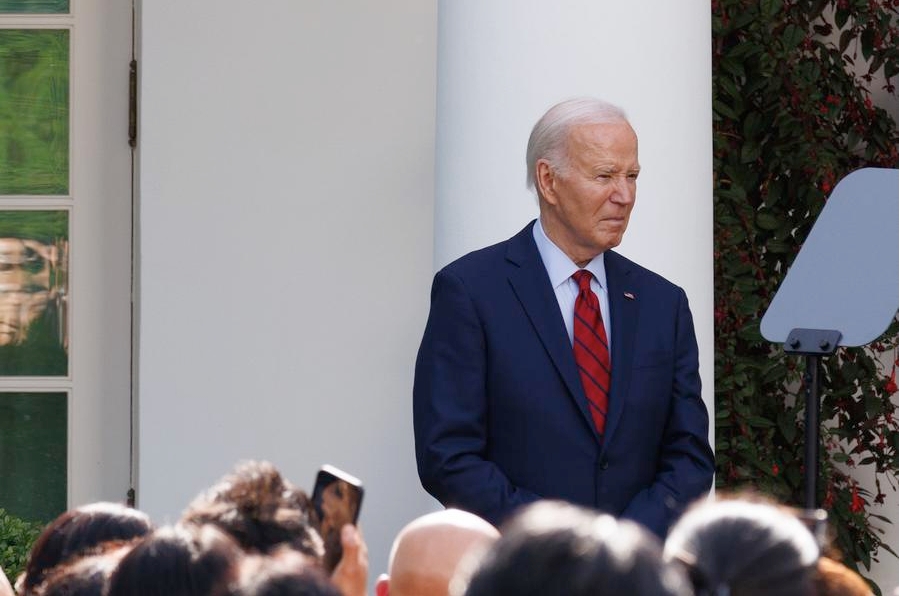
(560, 269)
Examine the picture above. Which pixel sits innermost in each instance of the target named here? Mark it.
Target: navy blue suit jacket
(499, 412)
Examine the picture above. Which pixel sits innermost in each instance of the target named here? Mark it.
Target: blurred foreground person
(428, 550)
(84, 576)
(75, 533)
(261, 510)
(744, 548)
(552, 548)
(833, 578)
(179, 560)
(285, 573)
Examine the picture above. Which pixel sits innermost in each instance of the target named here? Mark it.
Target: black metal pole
(811, 377)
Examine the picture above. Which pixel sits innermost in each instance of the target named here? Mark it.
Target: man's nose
(624, 192)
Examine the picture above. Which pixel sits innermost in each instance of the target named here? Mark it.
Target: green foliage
(790, 120)
(16, 538)
(44, 226)
(34, 111)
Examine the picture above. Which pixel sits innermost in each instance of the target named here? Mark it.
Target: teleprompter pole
(813, 406)
(813, 344)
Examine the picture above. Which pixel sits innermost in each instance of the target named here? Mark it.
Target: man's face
(586, 203)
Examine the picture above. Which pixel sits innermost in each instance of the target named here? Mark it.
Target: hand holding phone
(337, 498)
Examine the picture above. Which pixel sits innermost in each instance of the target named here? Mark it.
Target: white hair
(549, 135)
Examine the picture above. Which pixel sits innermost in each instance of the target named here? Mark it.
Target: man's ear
(382, 586)
(545, 179)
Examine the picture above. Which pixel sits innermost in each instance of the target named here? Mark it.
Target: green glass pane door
(34, 111)
(35, 207)
(34, 6)
(33, 441)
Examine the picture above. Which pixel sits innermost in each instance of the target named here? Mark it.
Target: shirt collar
(559, 266)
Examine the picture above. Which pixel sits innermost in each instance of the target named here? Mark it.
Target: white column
(502, 63)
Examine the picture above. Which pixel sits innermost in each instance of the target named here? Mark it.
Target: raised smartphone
(337, 498)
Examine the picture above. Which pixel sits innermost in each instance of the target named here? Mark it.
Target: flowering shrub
(16, 538)
(791, 119)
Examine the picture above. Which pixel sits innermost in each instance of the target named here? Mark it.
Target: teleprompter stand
(813, 344)
(841, 289)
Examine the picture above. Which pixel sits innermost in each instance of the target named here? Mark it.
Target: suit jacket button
(604, 464)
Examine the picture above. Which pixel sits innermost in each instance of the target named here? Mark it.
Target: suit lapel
(529, 281)
(623, 306)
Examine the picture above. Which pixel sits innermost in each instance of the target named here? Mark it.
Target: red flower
(856, 504)
(775, 469)
(891, 384)
(828, 181)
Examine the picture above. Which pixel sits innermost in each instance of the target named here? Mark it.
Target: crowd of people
(255, 534)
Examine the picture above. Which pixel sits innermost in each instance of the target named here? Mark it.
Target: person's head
(259, 509)
(76, 532)
(180, 560)
(427, 551)
(84, 576)
(746, 547)
(283, 573)
(833, 578)
(554, 548)
(582, 160)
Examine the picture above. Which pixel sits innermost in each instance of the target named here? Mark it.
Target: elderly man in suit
(553, 367)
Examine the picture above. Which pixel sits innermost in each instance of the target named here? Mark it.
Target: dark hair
(177, 561)
(259, 509)
(77, 531)
(744, 547)
(285, 574)
(555, 548)
(84, 576)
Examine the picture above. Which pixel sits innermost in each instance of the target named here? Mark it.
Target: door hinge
(132, 104)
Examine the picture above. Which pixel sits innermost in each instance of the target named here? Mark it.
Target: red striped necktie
(591, 349)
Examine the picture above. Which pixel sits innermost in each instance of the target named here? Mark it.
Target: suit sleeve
(451, 409)
(686, 463)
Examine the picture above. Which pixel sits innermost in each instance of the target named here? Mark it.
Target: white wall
(503, 63)
(286, 206)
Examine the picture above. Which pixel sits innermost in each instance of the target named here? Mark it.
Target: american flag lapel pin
(629, 295)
